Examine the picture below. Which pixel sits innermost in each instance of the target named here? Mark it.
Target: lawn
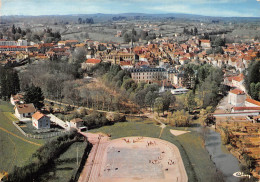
(66, 165)
(196, 159)
(28, 128)
(14, 150)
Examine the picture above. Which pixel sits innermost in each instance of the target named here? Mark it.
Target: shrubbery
(43, 158)
(95, 120)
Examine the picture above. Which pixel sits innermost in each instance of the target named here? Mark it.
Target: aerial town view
(129, 91)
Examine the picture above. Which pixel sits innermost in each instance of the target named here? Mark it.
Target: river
(223, 159)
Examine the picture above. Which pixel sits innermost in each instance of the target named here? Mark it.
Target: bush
(44, 157)
(95, 120)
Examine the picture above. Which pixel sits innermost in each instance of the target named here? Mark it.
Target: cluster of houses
(28, 112)
(162, 60)
(158, 61)
(238, 97)
(24, 111)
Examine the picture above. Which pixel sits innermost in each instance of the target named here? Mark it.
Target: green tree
(168, 99)
(127, 38)
(79, 20)
(34, 95)
(189, 76)
(253, 91)
(219, 42)
(158, 105)
(127, 84)
(144, 34)
(19, 30)
(210, 120)
(150, 98)
(134, 32)
(140, 98)
(9, 82)
(252, 76)
(179, 119)
(195, 31)
(190, 102)
(13, 29)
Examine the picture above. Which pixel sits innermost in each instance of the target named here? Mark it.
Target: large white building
(22, 42)
(148, 74)
(4, 42)
(237, 97)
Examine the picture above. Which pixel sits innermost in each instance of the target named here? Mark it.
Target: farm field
(196, 159)
(15, 148)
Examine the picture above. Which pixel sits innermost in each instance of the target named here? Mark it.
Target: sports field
(196, 159)
(131, 159)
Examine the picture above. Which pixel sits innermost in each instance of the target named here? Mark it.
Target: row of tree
(135, 36)
(9, 83)
(15, 33)
(191, 31)
(43, 158)
(86, 21)
(205, 81)
(252, 80)
(142, 94)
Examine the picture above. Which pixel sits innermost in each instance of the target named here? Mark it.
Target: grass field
(196, 159)
(15, 148)
(66, 165)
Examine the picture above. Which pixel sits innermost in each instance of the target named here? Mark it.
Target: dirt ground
(178, 132)
(134, 159)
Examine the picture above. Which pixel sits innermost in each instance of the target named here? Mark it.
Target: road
(71, 105)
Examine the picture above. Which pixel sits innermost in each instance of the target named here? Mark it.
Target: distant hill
(128, 16)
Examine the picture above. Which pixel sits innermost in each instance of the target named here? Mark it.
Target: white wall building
(236, 97)
(24, 110)
(40, 121)
(76, 123)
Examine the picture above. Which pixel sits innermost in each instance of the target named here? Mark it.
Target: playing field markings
(19, 137)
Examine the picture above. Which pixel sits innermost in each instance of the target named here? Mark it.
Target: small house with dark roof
(40, 120)
(24, 110)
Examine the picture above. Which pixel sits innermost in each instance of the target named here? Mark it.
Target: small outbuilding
(76, 123)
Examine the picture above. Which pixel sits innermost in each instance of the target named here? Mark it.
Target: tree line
(9, 82)
(86, 21)
(135, 36)
(15, 33)
(43, 158)
(252, 79)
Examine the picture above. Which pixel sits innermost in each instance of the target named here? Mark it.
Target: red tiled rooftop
(246, 108)
(238, 78)
(38, 115)
(237, 92)
(205, 41)
(93, 61)
(253, 101)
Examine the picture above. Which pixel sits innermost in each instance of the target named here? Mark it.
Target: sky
(226, 8)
